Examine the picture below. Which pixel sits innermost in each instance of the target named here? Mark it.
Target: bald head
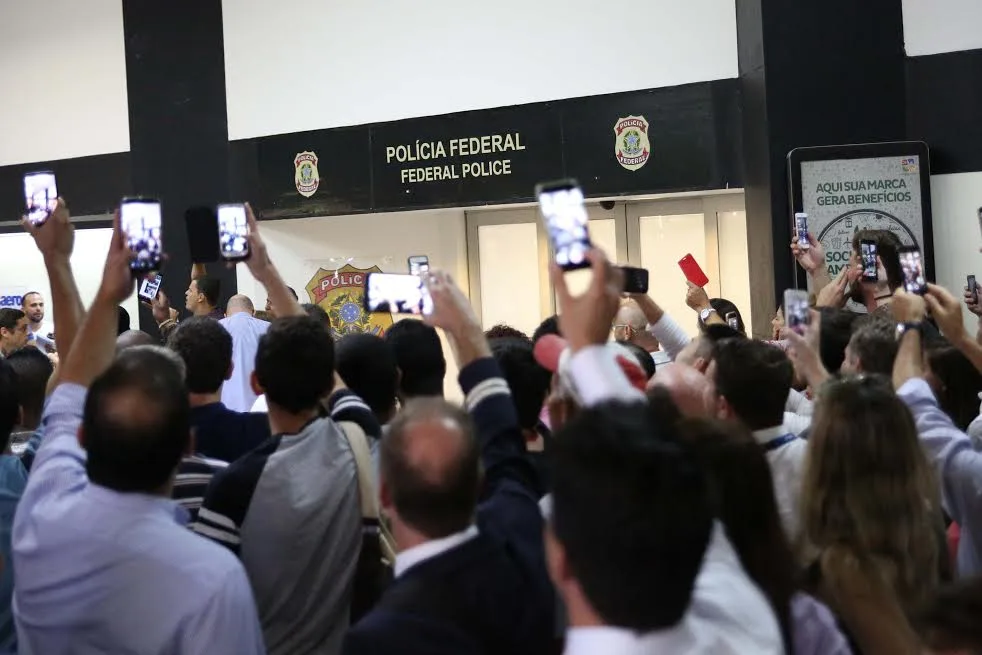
(132, 338)
(430, 468)
(631, 314)
(239, 304)
(687, 386)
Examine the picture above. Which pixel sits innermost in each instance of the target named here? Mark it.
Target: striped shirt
(193, 476)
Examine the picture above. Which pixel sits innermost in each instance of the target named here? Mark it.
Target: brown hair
(869, 489)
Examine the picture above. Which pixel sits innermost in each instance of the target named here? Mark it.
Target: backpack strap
(358, 442)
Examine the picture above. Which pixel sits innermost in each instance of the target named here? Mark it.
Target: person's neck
(405, 536)
(35, 327)
(203, 310)
(202, 399)
(284, 422)
(5, 349)
(579, 612)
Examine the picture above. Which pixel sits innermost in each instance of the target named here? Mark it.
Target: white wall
(300, 246)
(955, 201)
(22, 268)
(63, 80)
(295, 65)
(934, 26)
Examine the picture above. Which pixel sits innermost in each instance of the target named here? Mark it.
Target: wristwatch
(704, 314)
(903, 328)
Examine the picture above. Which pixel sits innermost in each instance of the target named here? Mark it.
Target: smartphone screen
(419, 264)
(233, 232)
(867, 254)
(973, 288)
(149, 287)
(797, 314)
(801, 230)
(913, 269)
(140, 221)
(566, 219)
(635, 279)
(733, 320)
(396, 294)
(40, 194)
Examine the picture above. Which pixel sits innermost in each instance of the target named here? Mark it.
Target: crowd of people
(608, 485)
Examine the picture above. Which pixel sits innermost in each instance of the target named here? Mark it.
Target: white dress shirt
(246, 330)
(671, 336)
(418, 554)
(787, 462)
(728, 615)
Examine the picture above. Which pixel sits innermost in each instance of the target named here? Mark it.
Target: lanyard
(777, 442)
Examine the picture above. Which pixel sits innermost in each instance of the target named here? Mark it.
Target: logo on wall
(306, 175)
(837, 236)
(631, 144)
(340, 293)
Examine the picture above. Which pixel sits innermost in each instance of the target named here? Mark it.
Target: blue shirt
(100, 571)
(13, 479)
(959, 468)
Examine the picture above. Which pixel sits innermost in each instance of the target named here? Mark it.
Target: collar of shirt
(137, 503)
(418, 554)
(216, 314)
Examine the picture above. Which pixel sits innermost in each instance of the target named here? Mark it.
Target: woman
(871, 517)
(742, 491)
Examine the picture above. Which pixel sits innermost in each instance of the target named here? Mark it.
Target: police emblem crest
(340, 293)
(632, 146)
(305, 173)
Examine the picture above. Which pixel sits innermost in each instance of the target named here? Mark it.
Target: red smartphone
(693, 273)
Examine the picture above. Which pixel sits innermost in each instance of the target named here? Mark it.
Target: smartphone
(801, 230)
(140, 221)
(797, 313)
(419, 264)
(233, 232)
(912, 266)
(40, 194)
(566, 221)
(397, 294)
(868, 254)
(149, 286)
(733, 320)
(693, 273)
(973, 288)
(635, 279)
(980, 219)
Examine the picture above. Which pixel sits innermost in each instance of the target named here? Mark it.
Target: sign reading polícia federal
(457, 158)
(844, 196)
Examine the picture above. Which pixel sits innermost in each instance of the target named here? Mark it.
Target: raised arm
(947, 312)
(670, 335)
(55, 240)
(262, 268)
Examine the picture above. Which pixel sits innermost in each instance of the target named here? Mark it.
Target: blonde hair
(869, 489)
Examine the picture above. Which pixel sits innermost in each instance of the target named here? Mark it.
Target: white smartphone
(397, 294)
(566, 219)
(141, 222)
(797, 313)
(233, 232)
(149, 287)
(40, 194)
(801, 230)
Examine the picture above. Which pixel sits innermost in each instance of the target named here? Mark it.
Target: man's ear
(385, 497)
(701, 364)
(231, 370)
(81, 437)
(556, 561)
(254, 383)
(723, 409)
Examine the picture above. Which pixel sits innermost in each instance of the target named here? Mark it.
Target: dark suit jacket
(490, 594)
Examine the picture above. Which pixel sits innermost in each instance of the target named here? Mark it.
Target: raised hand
(161, 308)
(452, 311)
(56, 236)
(946, 311)
(908, 307)
(117, 277)
(812, 258)
(258, 262)
(696, 298)
(585, 320)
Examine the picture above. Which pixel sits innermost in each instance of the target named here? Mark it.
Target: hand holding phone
(801, 230)
(149, 286)
(692, 271)
(40, 195)
(912, 266)
(973, 289)
(396, 294)
(797, 313)
(566, 220)
(233, 232)
(141, 223)
(635, 279)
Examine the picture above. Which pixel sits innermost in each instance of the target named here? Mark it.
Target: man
(529, 383)
(419, 356)
(619, 471)
(13, 479)
(32, 370)
(39, 333)
(749, 382)
(297, 493)
(220, 433)
(368, 366)
(132, 338)
(872, 348)
(686, 386)
(630, 326)
(102, 564)
(470, 577)
(246, 329)
(13, 330)
(203, 295)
